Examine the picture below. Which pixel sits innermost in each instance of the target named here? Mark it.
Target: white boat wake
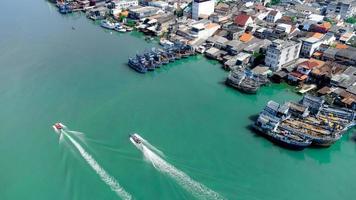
(105, 177)
(197, 189)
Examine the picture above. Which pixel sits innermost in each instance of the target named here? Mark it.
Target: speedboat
(136, 140)
(58, 127)
(119, 28)
(107, 24)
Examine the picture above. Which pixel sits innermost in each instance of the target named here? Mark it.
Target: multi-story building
(344, 8)
(273, 16)
(280, 53)
(202, 8)
(309, 45)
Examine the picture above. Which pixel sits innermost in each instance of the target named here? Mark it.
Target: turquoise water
(51, 73)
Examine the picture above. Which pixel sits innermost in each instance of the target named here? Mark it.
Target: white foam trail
(109, 180)
(153, 148)
(199, 190)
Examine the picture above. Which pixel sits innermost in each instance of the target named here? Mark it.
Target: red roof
(241, 19)
(298, 75)
(309, 64)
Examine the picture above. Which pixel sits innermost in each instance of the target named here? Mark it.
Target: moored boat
(107, 24)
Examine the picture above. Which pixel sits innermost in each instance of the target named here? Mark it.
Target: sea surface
(68, 69)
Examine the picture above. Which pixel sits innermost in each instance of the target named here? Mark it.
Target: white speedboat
(58, 127)
(119, 28)
(107, 24)
(136, 140)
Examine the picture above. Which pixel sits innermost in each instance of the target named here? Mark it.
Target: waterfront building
(301, 73)
(138, 12)
(201, 8)
(124, 4)
(280, 53)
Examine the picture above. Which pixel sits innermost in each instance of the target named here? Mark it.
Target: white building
(203, 29)
(309, 45)
(202, 8)
(273, 16)
(281, 53)
(159, 4)
(124, 4)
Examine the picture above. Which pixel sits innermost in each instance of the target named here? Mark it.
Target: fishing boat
(64, 8)
(320, 134)
(289, 140)
(239, 80)
(135, 64)
(107, 24)
(165, 42)
(285, 138)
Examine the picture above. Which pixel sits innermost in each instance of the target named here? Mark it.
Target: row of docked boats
(302, 124)
(156, 57)
(245, 80)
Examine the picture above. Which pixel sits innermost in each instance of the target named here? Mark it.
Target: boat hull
(273, 137)
(240, 88)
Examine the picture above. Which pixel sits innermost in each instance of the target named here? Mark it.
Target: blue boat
(64, 8)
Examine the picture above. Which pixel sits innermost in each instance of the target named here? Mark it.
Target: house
(322, 74)
(309, 45)
(218, 41)
(243, 20)
(344, 8)
(203, 29)
(246, 37)
(301, 73)
(345, 79)
(323, 27)
(347, 56)
(233, 47)
(283, 28)
(273, 16)
(98, 13)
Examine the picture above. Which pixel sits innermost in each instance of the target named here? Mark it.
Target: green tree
(351, 20)
(275, 2)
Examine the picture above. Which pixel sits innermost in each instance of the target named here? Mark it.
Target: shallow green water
(49, 73)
